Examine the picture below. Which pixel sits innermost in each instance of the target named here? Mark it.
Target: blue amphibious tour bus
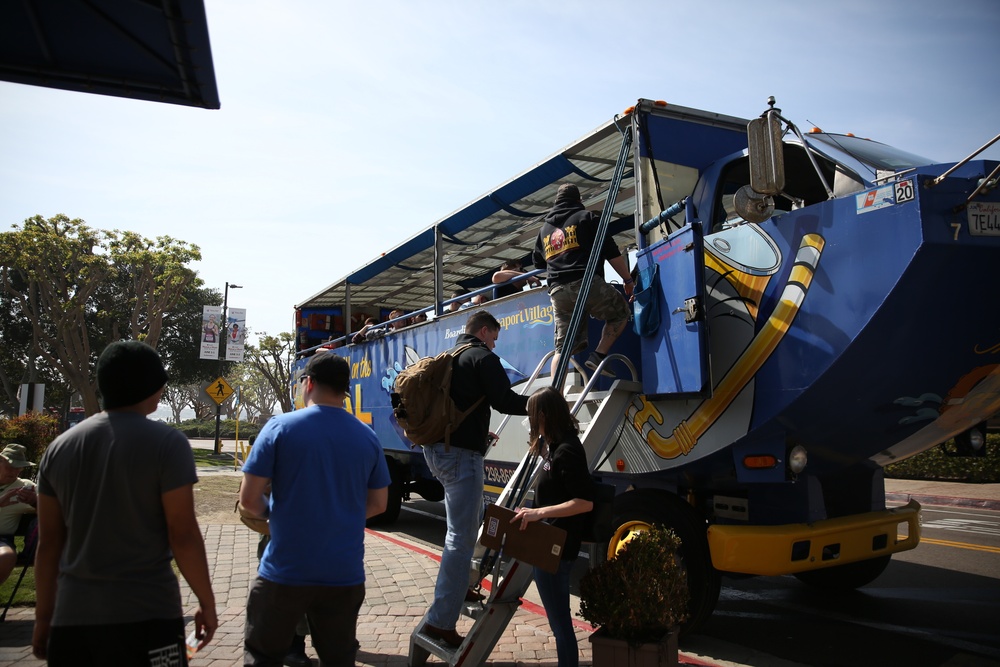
(821, 314)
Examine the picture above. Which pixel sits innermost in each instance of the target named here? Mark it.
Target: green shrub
(941, 463)
(205, 428)
(33, 430)
(641, 593)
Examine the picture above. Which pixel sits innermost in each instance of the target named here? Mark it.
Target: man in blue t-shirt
(327, 474)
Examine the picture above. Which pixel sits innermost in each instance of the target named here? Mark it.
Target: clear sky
(346, 127)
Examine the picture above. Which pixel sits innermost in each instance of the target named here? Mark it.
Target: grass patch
(208, 457)
(26, 593)
(215, 498)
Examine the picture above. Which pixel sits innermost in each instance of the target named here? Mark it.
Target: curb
(218, 470)
(945, 501)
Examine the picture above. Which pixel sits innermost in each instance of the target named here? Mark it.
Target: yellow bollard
(239, 454)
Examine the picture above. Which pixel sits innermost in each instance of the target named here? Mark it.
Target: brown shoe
(449, 637)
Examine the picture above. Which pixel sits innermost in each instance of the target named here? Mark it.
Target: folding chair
(28, 528)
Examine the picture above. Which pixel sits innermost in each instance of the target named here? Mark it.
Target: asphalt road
(935, 605)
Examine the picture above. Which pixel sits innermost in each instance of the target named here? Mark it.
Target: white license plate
(984, 218)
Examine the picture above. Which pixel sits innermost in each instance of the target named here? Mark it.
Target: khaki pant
(604, 302)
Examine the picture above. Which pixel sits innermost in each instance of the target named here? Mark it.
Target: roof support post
(438, 271)
(347, 310)
(638, 135)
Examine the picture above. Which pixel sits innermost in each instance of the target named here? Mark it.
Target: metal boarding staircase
(509, 578)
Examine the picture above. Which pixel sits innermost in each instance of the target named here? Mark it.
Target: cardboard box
(539, 545)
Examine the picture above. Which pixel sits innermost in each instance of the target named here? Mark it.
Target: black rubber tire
(663, 508)
(395, 501)
(845, 577)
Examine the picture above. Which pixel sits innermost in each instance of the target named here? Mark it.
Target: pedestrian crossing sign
(219, 390)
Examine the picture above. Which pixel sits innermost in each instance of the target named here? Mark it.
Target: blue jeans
(554, 591)
(460, 471)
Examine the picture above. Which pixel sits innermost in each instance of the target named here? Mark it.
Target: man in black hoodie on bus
(565, 241)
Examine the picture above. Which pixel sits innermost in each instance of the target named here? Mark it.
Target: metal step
(513, 577)
(492, 618)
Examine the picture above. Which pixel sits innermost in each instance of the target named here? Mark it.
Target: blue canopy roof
(503, 223)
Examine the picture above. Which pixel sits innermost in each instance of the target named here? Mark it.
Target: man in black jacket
(565, 241)
(477, 374)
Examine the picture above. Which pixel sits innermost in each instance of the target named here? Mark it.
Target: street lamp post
(222, 359)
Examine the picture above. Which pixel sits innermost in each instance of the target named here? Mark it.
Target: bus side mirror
(767, 159)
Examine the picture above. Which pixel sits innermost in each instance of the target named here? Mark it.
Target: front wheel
(637, 511)
(845, 577)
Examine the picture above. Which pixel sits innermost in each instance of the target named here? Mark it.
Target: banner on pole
(236, 322)
(210, 332)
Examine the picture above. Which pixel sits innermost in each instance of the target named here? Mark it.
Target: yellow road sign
(219, 391)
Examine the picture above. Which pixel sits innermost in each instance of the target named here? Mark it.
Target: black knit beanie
(568, 192)
(129, 372)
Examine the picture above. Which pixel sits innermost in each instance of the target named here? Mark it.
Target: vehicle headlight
(976, 439)
(797, 459)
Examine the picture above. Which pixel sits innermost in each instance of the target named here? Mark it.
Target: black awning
(140, 49)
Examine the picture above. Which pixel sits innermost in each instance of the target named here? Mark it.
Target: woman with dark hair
(564, 493)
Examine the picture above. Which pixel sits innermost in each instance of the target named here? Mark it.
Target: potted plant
(637, 599)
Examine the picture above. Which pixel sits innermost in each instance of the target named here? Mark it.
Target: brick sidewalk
(400, 586)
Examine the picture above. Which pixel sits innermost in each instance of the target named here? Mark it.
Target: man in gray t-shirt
(115, 505)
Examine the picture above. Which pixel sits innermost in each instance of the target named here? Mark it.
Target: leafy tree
(15, 353)
(272, 357)
(256, 395)
(81, 288)
(203, 409)
(19, 363)
(35, 431)
(147, 279)
(180, 397)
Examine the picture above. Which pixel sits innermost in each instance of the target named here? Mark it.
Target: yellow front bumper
(799, 547)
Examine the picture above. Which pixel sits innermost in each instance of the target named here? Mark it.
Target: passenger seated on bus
(363, 333)
(456, 305)
(401, 324)
(420, 318)
(477, 300)
(510, 270)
